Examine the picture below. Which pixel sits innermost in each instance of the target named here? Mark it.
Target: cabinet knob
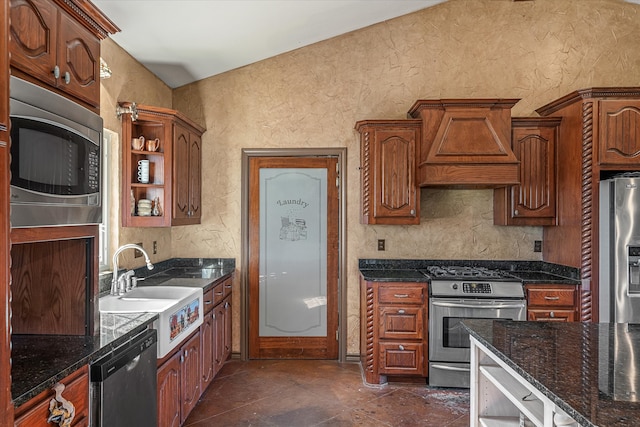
(516, 212)
(67, 77)
(400, 311)
(413, 212)
(401, 347)
(56, 72)
(552, 314)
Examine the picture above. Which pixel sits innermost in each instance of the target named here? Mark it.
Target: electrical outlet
(136, 252)
(537, 246)
(155, 247)
(381, 244)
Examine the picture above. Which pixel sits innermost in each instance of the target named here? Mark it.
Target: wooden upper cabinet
(388, 157)
(533, 201)
(174, 172)
(33, 45)
(79, 61)
(58, 43)
(187, 162)
(619, 132)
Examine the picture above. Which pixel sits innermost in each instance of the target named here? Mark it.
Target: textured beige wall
(537, 51)
(130, 82)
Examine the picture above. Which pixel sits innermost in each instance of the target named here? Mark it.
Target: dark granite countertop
(39, 361)
(588, 369)
(409, 270)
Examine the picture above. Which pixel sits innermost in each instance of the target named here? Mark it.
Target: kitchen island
(587, 371)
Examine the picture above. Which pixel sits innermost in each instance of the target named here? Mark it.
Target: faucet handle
(126, 280)
(134, 281)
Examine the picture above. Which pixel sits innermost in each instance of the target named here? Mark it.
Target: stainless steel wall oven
(459, 293)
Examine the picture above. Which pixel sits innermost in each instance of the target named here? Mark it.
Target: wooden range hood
(465, 143)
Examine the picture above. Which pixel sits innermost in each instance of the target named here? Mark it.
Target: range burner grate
(461, 272)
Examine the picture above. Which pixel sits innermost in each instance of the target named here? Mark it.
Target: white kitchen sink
(179, 311)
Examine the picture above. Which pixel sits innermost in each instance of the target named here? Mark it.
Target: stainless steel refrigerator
(619, 278)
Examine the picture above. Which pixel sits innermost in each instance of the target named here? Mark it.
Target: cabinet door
(190, 375)
(169, 392)
(227, 329)
(388, 155)
(36, 411)
(78, 61)
(181, 145)
(533, 201)
(207, 347)
(187, 160)
(619, 137)
(219, 332)
(33, 45)
(195, 177)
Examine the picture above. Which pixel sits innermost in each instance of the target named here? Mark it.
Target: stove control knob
(455, 286)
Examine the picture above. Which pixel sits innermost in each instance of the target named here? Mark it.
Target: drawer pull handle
(208, 302)
(401, 295)
(548, 298)
(401, 347)
(219, 293)
(62, 412)
(400, 311)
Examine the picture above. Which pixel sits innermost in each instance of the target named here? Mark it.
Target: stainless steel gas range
(461, 292)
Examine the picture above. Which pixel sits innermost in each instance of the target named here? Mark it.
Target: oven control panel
(476, 288)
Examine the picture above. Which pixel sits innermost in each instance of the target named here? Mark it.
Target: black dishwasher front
(124, 384)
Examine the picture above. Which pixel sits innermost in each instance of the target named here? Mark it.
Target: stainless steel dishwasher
(124, 384)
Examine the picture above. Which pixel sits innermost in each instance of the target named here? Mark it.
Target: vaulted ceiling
(182, 41)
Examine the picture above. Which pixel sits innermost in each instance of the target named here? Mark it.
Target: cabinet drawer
(36, 411)
(551, 297)
(218, 293)
(401, 358)
(401, 322)
(227, 285)
(208, 301)
(401, 294)
(551, 315)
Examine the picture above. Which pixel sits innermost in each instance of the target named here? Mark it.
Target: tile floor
(306, 393)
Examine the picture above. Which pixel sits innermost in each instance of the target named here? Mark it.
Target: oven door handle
(451, 368)
(460, 305)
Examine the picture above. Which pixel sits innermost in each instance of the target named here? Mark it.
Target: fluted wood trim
(366, 176)
(586, 255)
(370, 356)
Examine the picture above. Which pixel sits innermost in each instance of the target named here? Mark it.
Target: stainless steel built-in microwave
(55, 159)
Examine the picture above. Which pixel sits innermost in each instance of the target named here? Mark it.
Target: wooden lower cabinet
(207, 340)
(179, 383)
(394, 330)
(169, 392)
(35, 412)
(222, 330)
(186, 374)
(552, 303)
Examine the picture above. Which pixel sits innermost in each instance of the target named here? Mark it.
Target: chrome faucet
(117, 283)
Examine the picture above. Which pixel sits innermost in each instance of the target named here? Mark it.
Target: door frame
(341, 154)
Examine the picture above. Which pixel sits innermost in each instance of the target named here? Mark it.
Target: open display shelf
(501, 397)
